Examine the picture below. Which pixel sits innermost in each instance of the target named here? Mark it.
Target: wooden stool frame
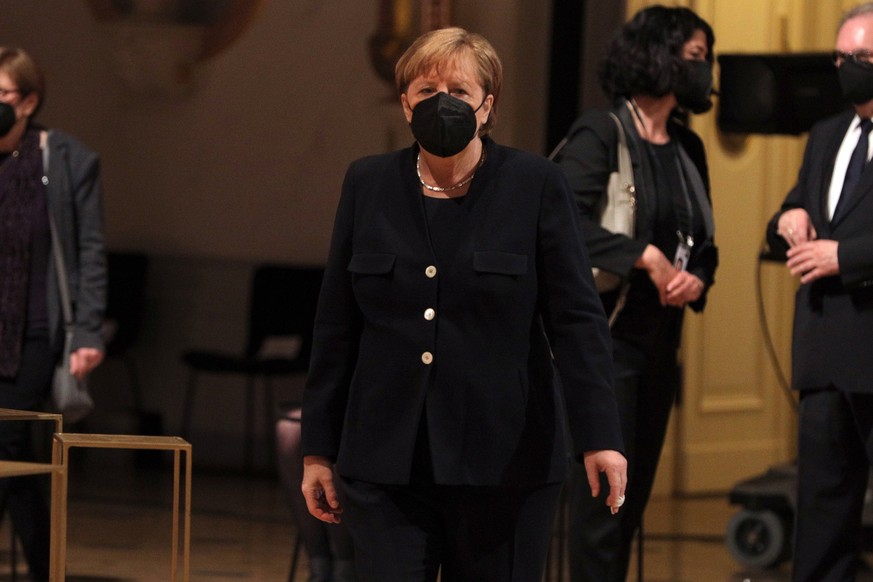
(63, 442)
(58, 475)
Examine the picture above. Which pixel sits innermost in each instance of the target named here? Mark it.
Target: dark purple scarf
(20, 187)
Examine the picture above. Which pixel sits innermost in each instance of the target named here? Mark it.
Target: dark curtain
(580, 31)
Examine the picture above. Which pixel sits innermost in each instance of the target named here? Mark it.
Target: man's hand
(795, 227)
(318, 489)
(814, 260)
(614, 465)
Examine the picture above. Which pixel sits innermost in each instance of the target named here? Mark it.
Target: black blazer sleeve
(75, 196)
(576, 324)
(337, 325)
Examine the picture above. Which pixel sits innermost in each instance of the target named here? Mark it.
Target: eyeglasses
(5, 92)
(863, 57)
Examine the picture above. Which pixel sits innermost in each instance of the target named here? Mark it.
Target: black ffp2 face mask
(7, 118)
(856, 81)
(443, 125)
(693, 89)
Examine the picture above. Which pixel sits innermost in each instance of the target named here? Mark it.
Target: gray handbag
(616, 212)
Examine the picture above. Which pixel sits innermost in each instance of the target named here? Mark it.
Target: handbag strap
(57, 252)
(626, 172)
(625, 166)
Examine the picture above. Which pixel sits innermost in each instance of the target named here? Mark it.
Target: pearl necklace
(447, 188)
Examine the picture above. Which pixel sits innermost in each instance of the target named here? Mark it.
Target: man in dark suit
(826, 227)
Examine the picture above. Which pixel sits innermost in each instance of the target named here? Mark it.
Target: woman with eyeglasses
(34, 199)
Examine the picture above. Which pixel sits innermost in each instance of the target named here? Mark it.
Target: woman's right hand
(661, 271)
(319, 490)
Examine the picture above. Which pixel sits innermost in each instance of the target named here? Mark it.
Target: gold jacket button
(431, 272)
(427, 357)
(429, 313)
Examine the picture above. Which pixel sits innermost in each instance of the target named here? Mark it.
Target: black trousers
(26, 498)
(599, 543)
(410, 533)
(834, 452)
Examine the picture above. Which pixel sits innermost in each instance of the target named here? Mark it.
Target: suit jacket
(833, 316)
(481, 370)
(588, 158)
(75, 200)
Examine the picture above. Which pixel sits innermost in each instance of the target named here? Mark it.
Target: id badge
(683, 254)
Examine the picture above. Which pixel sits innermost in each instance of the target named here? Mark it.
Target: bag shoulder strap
(625, 166)
(626, 172)
(57, 252)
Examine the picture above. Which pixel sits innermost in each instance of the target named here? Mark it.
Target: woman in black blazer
(457, 293)
(658, 64)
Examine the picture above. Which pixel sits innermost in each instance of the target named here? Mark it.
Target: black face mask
(443, 125)
(693, 88)
(7, 118)
(856, 81)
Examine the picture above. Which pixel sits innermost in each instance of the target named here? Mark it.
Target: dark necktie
(855, 168)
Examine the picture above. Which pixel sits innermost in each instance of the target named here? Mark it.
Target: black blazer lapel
(862, 189)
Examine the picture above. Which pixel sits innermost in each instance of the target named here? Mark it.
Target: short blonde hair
(24, 71)
(440, 47)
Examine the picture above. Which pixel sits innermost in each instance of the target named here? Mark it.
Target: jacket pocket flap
(372, 263)
(500, 262)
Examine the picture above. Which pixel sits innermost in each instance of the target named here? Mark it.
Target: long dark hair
(645, 55)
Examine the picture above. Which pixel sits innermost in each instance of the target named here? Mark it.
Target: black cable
(765, 331)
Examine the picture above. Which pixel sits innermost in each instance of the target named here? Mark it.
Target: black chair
(281, 314)
(125, 311)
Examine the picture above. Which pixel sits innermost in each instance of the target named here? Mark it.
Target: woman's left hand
(83, 360)
(614, 465)
(683, 288)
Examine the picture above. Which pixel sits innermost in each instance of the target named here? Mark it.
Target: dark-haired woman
(657, 69)
(31, 318)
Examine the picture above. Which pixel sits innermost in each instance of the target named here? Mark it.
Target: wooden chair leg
(269, 423)
(13, 551)
(188, 406)
(640, 569)
(250, 424)
(295, 556)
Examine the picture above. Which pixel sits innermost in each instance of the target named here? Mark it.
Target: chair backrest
(125, 299)
(283, 303)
